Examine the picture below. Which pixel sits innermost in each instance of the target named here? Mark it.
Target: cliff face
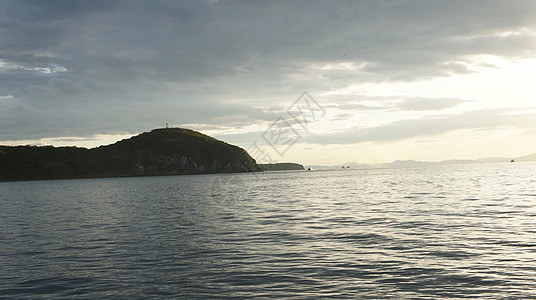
(281, 167)
(170, 151)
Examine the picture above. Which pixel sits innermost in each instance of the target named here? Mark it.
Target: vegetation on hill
(167, 151)
(281, 167)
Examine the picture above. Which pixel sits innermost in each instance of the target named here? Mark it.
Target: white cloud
(422, 103)
(431, 125)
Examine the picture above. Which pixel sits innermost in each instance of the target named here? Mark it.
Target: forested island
(166, 151)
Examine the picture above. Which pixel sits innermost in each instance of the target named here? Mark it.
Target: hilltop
(169, 151)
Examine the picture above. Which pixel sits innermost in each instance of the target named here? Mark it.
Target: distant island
(416, 163)
(281, 167)
(169, 151)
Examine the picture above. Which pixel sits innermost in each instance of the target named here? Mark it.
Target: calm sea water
(416, 233)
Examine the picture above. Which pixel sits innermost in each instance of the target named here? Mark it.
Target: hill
(169, 151)
(530, 157)
(416, 163)
(281, 167)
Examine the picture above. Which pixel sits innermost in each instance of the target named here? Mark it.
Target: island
(165, 151)
(281, 167)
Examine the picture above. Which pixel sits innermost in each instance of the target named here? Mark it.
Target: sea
(435, 232)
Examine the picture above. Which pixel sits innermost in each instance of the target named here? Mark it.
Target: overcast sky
(385, 80)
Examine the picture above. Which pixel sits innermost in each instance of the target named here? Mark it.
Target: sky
(313, 82)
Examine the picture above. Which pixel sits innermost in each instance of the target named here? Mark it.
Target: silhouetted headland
(281, 167)
(169, 151)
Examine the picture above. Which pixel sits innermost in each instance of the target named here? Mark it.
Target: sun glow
(493, 82)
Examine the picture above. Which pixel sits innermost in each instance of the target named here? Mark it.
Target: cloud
(97, 67)
(430, 126)
(421, 103)
(357, 103)
(4, 94)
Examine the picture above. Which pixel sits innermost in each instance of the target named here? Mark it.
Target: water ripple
(422, 233)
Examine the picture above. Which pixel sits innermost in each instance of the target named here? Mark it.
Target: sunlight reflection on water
(446, 231)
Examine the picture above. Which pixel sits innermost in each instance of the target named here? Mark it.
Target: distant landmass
(169, 151)
(281, 167)
(416, 163)
(530, 157)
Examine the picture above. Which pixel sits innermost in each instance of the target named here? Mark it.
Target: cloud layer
(80, 68)
(429, 126)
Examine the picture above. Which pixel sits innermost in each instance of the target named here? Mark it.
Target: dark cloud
(88, 67)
